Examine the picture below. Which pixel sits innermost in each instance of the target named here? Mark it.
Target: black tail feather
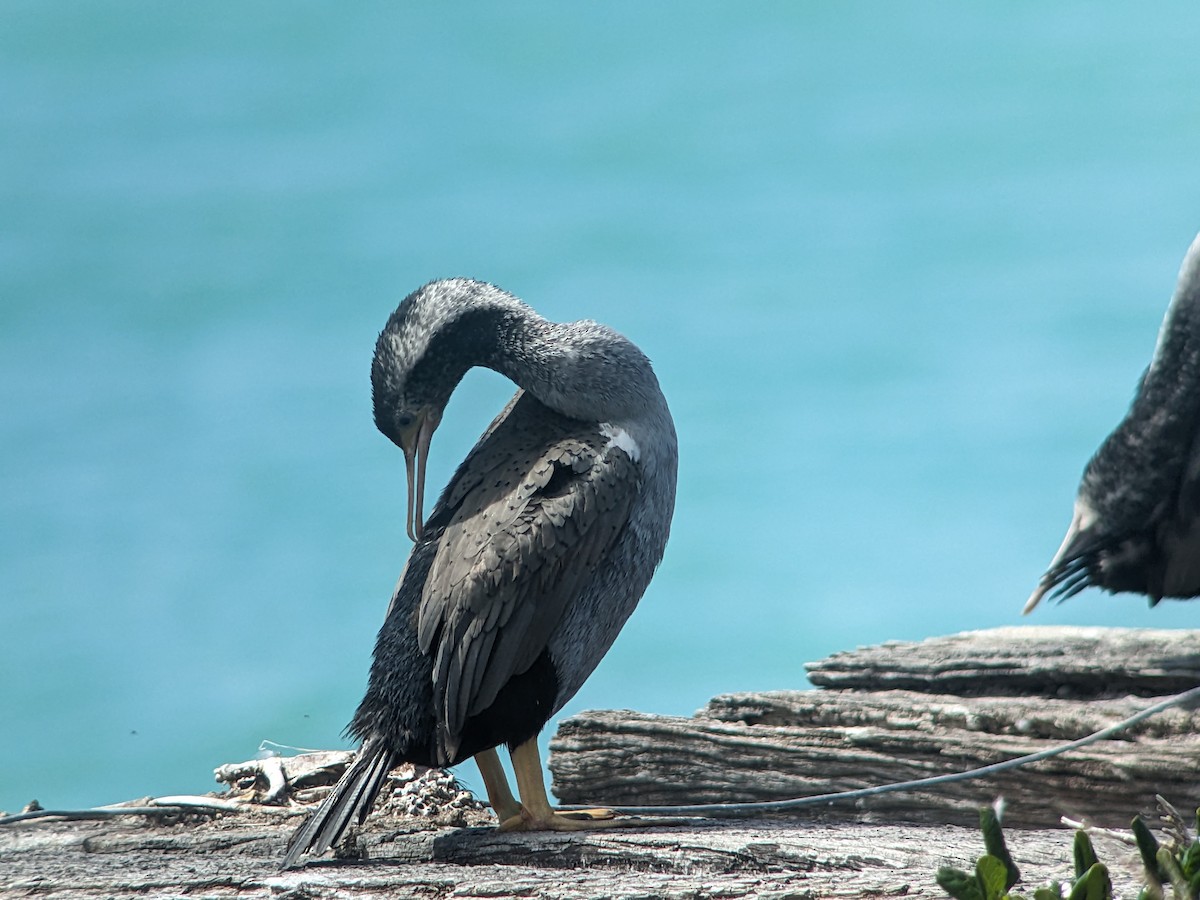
(350, 800)
(1071, 577)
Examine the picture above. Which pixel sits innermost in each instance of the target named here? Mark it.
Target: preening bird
(528, 566)
(1137, 514)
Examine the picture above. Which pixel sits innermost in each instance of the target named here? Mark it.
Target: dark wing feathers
(538, 506)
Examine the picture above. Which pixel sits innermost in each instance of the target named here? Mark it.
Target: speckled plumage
(1136, 525)
(538, 550)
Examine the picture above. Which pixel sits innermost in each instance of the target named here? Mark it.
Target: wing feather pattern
(535, 509)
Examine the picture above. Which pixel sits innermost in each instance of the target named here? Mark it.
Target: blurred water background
(899, 267)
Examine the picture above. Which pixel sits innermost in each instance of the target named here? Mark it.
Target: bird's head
(436, 333)
(411, 385)
(407, 412)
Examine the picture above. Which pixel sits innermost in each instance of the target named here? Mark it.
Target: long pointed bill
(414, 466)
(409, 470)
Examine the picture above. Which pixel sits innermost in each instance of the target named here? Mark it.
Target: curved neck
(579, 369)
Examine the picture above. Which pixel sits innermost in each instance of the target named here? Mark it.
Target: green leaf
(1194, 885)
(1094, 885)
(1085, 856)
(992, 876)
(1174, 874)
(1189, 860)
(993, 840)
(959, 884)
(1052, 891)
(1147, 846)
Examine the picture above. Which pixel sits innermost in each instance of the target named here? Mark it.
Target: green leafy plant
(1175, 866)
(996, 873)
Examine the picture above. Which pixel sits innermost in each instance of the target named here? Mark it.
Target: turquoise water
(899, 267)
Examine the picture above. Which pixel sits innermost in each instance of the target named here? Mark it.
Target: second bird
(1136, 525)
(528, 566)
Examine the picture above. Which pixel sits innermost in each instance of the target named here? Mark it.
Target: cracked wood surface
(1048, 661)
(740, 746)
(237, 856)
(778, 745)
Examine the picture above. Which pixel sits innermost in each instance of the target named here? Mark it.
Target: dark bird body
(1136, 525)
(534, 556)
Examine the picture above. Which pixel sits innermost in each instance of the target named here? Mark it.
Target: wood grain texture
(739, 747)
(238, 857)
(1054, 661)
(1014, 683)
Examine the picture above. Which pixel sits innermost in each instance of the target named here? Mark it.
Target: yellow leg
(504, 804)
(534, 813)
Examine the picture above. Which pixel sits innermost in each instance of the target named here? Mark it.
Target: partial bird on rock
(537, 552)
(1136, 526)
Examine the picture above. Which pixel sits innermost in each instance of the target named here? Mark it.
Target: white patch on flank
(619, 437)
(1085, 516)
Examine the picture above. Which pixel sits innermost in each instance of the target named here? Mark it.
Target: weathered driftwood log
(741, 746)
(792, 744)
(237, 857)
(1038, 661)
(635, 760)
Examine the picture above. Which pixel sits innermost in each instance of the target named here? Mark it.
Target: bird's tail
(350, 800)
